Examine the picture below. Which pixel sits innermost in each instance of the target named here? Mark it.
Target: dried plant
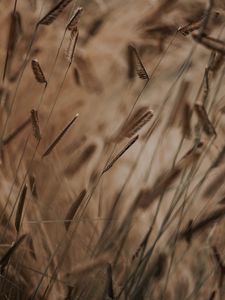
(50, 17)
(129, 201)
(38, 73)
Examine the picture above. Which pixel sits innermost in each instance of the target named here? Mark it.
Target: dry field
(112, 149)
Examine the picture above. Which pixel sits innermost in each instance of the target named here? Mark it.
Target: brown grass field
(112, 149)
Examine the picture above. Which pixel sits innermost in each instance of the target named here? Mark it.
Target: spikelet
(38, 73)
(146, 196)
(6, 257)
(76, 76)
(186, 124)
(202, 224)
(72, 45)
(140, 118)
(74, 167)
(35, 124)
(20, 207)
(73, 209)
(110, 291)
(154, 272)
(140, 69)
(73, 22)
(189, 28)
(212, 295)
(139, 123)
(131, 63)
(204, 120)
(16, 132)
(115, 159)
(50, 17)
(59, 137)
(14, 33)
(95, 27)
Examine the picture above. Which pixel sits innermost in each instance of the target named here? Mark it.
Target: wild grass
(126, 201)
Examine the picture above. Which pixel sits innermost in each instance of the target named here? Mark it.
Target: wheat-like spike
(110, 291)
(212, 295)
(136, 122)
(73, 22)
(189, 28)
(50, 17)
(35, 124)
(73, 209)
(130, 62)
(141, 71)
(72, 45)
(83, 158)
(211, 43)
(17, 131)
(76, 76)
(154, 272)
(186, 125)
(204, 119)
(146, 196)
(38, 73)
(202, 224)
(6, 257)
(20, 208)
(114, 160)
(59, 137)
(95, 27)
(136, 115)
(14, 32)
(139, 123)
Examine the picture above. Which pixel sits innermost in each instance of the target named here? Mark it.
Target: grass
(126, 201)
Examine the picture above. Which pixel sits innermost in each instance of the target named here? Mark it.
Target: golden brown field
(112, 149)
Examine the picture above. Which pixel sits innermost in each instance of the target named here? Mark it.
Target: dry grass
(128, 202)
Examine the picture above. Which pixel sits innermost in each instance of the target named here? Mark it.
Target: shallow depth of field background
(101, 85)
